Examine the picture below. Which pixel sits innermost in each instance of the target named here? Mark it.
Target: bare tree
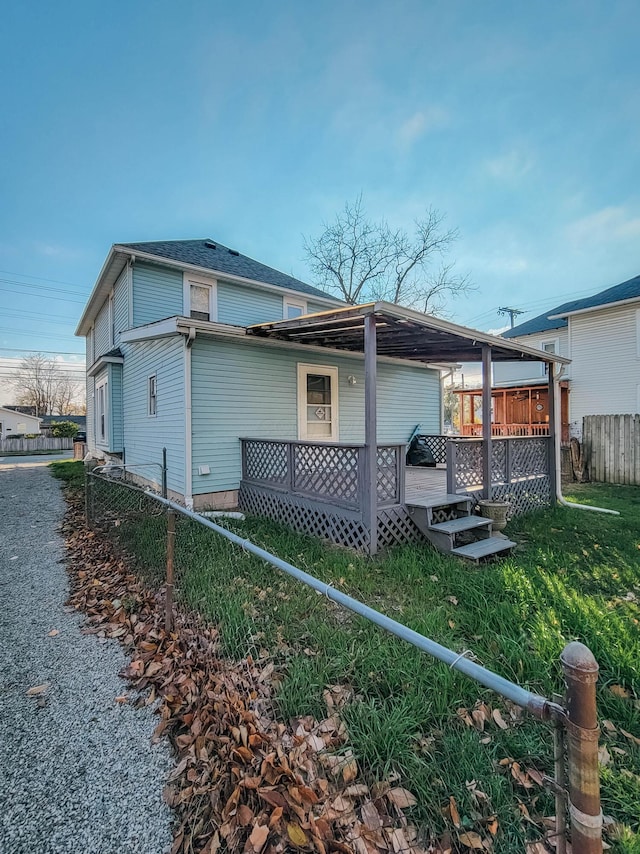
(43, 384)
(361, 260)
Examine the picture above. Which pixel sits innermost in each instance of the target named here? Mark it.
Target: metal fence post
(88, 498)
(581, 674)
(164, 472)
(171, 546)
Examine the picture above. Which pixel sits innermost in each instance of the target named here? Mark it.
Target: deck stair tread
(483, 548)
(462, 523)
(440, 501)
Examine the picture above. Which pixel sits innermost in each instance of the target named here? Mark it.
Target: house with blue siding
(262, 390)
(170, 365)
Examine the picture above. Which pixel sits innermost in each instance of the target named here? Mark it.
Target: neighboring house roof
(214, 256)
(10, 411)
(541, 323)
(556, 318)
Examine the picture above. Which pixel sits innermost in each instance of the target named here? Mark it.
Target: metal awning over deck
(401, 333)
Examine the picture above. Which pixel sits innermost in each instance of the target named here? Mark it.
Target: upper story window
(550, 346)
(294, 308)
(199, 298)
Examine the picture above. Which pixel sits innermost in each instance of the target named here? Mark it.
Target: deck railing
(520, 469)
(507, 430)
(331, 472)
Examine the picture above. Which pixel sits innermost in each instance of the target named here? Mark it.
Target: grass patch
(575, 575)
(70, 471)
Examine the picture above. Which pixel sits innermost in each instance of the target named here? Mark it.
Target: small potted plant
(495, 510)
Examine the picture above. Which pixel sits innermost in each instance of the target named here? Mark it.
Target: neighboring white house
(601, 336)
(14, 423)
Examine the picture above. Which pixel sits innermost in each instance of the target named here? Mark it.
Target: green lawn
(575, 575)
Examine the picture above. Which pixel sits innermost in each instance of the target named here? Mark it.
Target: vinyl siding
(523, 372)
(242, 306)
(313, 307)
(251, 390)
(146, 436)
(116, 427)
(102, 339)
(157, 293)
(605, 371)
(121, 305)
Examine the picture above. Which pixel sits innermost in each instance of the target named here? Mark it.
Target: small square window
(152, 396)
(294, 308)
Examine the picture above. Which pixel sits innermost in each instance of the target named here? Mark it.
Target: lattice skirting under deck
(339, 526)
(525, 495)
(395, 526)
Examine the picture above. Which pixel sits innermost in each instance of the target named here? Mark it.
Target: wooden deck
(423, 483)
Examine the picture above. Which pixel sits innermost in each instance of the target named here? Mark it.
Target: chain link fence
(229, 595)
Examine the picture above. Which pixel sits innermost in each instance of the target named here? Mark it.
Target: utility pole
(512, 312)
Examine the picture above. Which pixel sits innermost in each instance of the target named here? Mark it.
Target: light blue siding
(98, 442)
(102, 331)
(242, 306)
(241, 389)
(116, 427)
(313, 307)
(121, 305)
(157, 293)
(145, 436)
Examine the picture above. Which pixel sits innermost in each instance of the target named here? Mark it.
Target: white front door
(317, 403)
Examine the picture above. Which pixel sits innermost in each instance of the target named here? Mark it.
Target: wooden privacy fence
(612, 448)
(41, 443)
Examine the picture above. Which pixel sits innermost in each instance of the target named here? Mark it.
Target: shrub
(63, 429)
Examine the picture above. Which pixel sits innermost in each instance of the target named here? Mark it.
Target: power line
(38, 287)
(54, 352)
(44, 296)
(35, 332)
(41, 278)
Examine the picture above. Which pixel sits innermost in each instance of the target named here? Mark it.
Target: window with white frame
(152, 395)
(317, 403)
(199, 298)
(294, 308)
(550, 346)
(102, 406)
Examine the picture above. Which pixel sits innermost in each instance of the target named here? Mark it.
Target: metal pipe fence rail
(574, 721)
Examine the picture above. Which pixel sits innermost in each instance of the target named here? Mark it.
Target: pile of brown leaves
(243, 781)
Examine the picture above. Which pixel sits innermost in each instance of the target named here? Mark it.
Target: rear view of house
(170, 365)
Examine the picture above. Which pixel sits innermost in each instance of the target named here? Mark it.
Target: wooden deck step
(463, 523)
(484, 548)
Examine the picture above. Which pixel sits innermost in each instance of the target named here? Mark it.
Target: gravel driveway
(77, 771)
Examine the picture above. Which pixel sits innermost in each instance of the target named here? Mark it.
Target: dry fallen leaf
(471, 840)
(53, 633)
(499, 720)
(402, 798)
(631, 738)
(297, 835)
(258, 837)
(453, 812)
(620, 691)
(37, 690)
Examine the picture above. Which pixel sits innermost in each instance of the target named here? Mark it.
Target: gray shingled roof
(214, 256)
(626, 290)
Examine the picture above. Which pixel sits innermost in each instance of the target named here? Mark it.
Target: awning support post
(553, 433)
(370, 497)
(486, 422)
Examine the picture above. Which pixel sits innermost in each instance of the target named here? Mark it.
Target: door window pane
(319, 409)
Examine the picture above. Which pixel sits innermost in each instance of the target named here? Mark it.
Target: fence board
(42, 443)
(612, 443)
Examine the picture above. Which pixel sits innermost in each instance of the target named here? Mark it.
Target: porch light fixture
(352, 380)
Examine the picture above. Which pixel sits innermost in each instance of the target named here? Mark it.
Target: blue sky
(254, 122)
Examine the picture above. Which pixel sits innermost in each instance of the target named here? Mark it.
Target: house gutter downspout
(558, 428)
(188, 452)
